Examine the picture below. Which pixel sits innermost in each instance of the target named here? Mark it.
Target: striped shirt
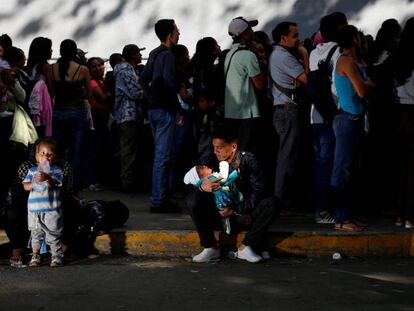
(42, 198)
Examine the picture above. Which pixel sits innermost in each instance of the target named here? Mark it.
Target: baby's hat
(191, 178)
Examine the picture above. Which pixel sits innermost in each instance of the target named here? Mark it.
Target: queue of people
(326, 125)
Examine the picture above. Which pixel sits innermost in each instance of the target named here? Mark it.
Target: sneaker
(324, 217)
(56, 262)
(399, 222)
(208, 254)
(265, 255)
(248, 254)
(95, 187)
(165, 207)
(35, 261)
(409, 224)
(17, 264)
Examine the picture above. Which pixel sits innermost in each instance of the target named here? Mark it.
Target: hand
(41, 177)
(181, 120)
(210, 185)
(226, 212)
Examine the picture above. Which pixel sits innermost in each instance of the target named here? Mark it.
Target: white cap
(191, 178)
(240, 24)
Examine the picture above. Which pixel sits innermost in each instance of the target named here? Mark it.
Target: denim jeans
(324, 148)
(163, 125)
(286, 124)
(181, 152)
(348, 131)
(68, 129)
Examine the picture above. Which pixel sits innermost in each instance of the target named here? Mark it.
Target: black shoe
(165, 208)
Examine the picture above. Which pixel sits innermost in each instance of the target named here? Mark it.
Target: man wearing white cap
(243, 77)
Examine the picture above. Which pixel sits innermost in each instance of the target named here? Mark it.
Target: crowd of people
(323, 124)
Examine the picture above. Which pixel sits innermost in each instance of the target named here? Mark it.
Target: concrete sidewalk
(174, 234)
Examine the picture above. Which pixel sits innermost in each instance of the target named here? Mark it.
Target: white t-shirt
(318, 54)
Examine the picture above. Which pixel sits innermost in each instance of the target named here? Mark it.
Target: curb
(312, 244)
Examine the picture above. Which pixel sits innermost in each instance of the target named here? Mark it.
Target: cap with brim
(239, 24)
(131, 49)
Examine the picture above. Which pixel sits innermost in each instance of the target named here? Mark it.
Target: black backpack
(99, 217)
(319, 88)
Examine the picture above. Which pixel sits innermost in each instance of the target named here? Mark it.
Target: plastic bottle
(43, 167)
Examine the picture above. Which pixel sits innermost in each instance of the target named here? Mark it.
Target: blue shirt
(349, 101)
(42, 198)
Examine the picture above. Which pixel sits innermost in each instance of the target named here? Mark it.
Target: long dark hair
(68, 50)
(403, 59)
(204, 55)
(39, 53)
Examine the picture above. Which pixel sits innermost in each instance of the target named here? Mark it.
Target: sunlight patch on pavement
(380, 276)
(163, 264)
(238, 280)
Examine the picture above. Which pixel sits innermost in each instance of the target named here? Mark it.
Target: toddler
(44, 207)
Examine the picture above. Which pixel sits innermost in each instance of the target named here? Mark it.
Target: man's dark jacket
(251, 181)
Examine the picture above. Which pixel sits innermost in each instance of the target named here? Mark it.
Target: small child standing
(44, 207)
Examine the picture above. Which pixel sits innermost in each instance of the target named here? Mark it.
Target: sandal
(348, 227)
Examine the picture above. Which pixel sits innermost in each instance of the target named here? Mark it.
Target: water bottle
(43, 167)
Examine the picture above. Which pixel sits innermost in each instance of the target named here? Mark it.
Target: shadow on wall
(308, 16)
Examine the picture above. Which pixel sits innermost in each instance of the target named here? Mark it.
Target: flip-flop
(348, 227)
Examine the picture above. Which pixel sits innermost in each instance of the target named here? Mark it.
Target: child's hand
(41, 176)
(210, 185)
(226, 212)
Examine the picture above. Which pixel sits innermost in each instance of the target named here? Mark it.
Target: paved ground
(141, 219)
(131, 283)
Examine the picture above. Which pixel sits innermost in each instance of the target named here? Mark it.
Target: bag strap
(330, 54)
(231, 57)
(288, 92)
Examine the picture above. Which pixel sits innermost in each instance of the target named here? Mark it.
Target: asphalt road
(130, 283)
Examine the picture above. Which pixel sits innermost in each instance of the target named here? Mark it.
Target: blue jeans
(348, 131)
(68, 130)
(323, 148)
(163, 127)
(181, 149)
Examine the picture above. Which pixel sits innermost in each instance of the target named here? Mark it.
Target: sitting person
(45, 220)
(250, 183)
(226, 195)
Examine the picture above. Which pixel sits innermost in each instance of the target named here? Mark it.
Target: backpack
(319, 88)
(98, 217)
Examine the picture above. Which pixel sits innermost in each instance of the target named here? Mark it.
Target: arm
(99, 94)
(258, 82)
(303, 57)
(256, 184)
(133, 88)
(87, 81)
(348, 67)
(28, 185)
(18, 91)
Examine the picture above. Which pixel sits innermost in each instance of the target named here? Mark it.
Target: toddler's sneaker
(56, 262)
(399, 222)
(248, 254)
(208, 254)
(35, 261)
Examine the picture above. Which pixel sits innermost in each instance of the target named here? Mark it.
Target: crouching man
(254, 202)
